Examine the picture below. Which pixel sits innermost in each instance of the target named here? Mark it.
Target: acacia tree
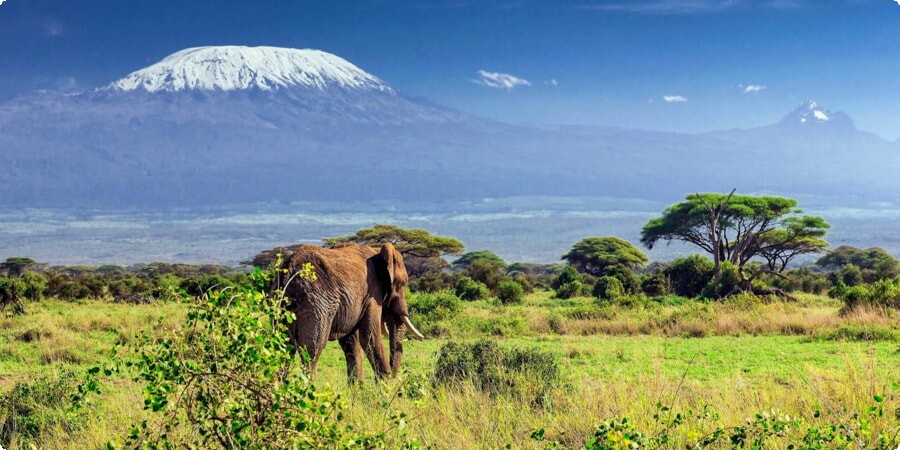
(483, 266)
(408, 241)
(800, 235)
(594, 255)
(737, 228)
(423, 252)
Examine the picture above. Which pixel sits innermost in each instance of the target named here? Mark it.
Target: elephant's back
(335, 270)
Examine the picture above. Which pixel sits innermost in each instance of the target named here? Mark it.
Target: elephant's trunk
(412, 327)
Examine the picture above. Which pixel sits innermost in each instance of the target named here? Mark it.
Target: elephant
(356, 291)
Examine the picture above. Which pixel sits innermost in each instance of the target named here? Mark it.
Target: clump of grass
(34, 334)
(856, 333)
(521, 372)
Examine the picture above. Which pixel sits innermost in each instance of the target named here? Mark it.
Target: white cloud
(1, 1)
(554, 83)
(500, 80)
(898, 2)
(754, 88)
(674, 98)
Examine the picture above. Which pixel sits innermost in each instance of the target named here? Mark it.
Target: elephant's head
(395, 310)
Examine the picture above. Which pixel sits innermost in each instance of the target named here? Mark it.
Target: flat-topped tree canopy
(737, 228)
(594, 255)
(408, 241)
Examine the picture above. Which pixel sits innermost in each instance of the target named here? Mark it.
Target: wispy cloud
(500, 80)
(753, 88)
(674, 98)
(687, 6)
(53, 28)
(555, 83)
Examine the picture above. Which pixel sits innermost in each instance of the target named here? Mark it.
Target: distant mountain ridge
(226, 125)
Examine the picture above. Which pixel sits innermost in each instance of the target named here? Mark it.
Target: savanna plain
(671, 370)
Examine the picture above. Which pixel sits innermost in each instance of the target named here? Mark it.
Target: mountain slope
(230, 68)
(225, 125)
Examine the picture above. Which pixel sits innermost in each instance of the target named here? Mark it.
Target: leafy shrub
(470, 290)
(880, 294)
(656, 284)
(568, 284)
(509, 292)
(431, 281)
(630, 281)
(766, 429)
(529, 373)
(870, 265)
(803, 280)
(850, 274)
(608, 288)
(632, 301)
(728, 279)
(429, 309)
(32, 407)
(524, 280)
(689, 275)
(569, 290)
(12, 292)
(35, 285)
(233, 381)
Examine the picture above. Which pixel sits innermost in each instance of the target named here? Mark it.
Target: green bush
(569, 290)
(608, 288)
(12, 292)
(880, 294)
(802, 280)
(509, 292)
(527, 373)
(430, 309)
(32, 408)
(524, 280)
(568, 284)
(820, 428)
(470, 290)
(728, 279)
(850, 274)
(689, 275)
(656, 284)
(630, 281)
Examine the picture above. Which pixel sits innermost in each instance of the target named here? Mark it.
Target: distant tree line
(750, 243)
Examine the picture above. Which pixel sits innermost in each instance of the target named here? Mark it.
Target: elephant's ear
(387, 253)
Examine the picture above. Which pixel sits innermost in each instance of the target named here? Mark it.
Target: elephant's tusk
(412, 328)
(386, 331)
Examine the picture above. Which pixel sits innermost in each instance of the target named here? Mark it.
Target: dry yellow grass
(739, 359)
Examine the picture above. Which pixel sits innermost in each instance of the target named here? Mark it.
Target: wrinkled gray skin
(357, 291)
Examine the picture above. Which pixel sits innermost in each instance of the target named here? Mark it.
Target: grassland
(736, 358)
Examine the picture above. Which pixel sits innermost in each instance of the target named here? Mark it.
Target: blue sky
(721, 63)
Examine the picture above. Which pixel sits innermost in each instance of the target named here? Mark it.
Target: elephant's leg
(353, 353)
(309, 332)
(370, 338)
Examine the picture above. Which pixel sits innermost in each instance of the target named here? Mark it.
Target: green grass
(749, 358)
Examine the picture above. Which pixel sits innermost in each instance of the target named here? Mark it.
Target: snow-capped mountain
(229, 68)
(811, 114)
(226, 125)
